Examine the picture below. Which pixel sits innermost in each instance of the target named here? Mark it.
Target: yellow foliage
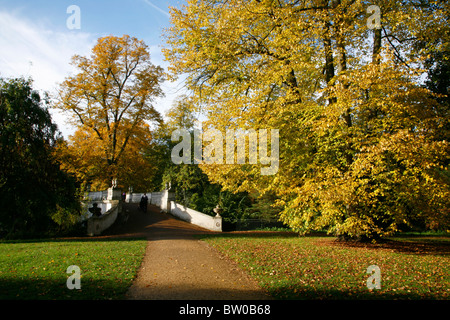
(110, 101)
(84, 157)
(361, 147)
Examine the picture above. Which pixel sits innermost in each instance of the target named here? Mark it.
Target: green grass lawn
(37, 269)
(292, 267)
(287, 266)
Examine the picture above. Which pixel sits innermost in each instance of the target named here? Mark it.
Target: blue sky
(35, 40)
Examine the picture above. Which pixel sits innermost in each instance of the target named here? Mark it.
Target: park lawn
(37, 269)
(292, 267)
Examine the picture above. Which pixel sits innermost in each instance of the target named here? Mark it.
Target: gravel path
(176, 266)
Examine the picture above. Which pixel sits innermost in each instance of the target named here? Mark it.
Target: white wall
(97, 195)
(163, 199)
(105, 205)
(195, 217)
(96, 225)
(153, 198)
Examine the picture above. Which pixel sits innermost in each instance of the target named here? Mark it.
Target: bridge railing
(195, 217)
(165, 200)
(110, 204)
(153, 198)
(96, 225)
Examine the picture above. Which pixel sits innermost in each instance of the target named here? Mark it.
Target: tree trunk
(376, 46)
(329, 63)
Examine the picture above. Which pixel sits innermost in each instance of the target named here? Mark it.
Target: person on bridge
(144, 202)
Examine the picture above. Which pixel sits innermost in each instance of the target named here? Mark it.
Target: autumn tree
(362, 141)
(82, 157)
(110, 101)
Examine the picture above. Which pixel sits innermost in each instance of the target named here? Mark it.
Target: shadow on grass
(249, 234)
(304, 293)
(77, 239)
(422, 245)
(56, 289)
(37, 269)
(417, 246)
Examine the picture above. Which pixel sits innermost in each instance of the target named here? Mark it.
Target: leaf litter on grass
(319, 268)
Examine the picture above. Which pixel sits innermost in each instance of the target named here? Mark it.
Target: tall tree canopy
(82, 157)
(110, 100)
(37, 197)
(363, 143)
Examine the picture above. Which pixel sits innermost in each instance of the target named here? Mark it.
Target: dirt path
(178, 266)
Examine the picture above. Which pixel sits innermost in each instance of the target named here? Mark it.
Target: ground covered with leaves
(37, 269)
(292, 267)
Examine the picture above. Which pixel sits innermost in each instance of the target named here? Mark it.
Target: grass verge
(292, 267)
(37, 269)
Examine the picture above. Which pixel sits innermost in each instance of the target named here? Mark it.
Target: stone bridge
(110, 202)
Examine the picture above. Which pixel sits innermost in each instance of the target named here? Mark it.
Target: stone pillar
(217, 223)
(217, 219)
(129, 195)
(114, 194)
(166, 197)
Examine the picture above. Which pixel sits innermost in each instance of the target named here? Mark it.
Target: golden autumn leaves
(363, 144)
(362, 152)
(110, 101)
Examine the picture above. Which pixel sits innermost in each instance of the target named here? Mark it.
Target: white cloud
(34, 49)
(30, 49)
